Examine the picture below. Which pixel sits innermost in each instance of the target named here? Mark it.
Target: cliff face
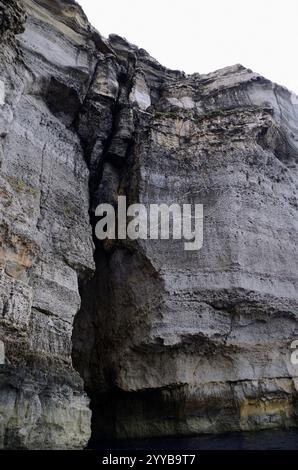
(46, 238)
(164, 341)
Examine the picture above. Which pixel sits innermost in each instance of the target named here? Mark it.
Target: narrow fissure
(91, 338)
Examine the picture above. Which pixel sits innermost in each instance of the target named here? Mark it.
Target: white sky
(205, 35)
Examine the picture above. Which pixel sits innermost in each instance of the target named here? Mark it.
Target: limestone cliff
(162, 341)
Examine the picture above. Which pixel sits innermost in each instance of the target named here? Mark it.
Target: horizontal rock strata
(163, 341)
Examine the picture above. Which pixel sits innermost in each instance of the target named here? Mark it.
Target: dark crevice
(91, 323)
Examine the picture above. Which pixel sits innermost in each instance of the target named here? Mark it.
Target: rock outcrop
(46, 238)
(162, 341)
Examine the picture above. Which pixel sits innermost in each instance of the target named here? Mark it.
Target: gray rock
(46, 237)
(191, 342)
(162, 340)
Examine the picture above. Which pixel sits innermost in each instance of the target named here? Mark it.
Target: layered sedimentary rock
(186, 342)
(46, 238)
(164, 341)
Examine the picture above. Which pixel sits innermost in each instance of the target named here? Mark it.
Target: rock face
(46, 238)
(164, 341)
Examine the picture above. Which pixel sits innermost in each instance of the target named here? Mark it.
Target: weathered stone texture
(166, 341)
(46, 238)
(189, 342)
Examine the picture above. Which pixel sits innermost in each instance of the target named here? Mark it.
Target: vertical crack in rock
(108, 152)
(167, 342)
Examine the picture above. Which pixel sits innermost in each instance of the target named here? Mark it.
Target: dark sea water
(262, 440)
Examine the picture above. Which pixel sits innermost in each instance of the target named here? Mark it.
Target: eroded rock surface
(166, 341)
(46, 238)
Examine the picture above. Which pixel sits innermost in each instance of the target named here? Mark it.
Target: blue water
(262, 440)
